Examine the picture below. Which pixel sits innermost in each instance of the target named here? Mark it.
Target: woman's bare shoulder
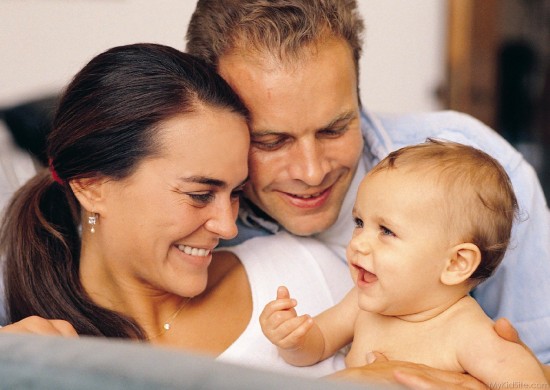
(225, 267)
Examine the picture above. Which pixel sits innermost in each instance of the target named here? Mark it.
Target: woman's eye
(358, 223)
(203, 197)
(236, 194)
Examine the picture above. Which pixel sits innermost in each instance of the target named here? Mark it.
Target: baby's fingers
(271, 322)
(282, 293)
(293, 332)
(278, 305)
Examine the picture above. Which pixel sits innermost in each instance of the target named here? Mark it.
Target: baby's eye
(386, 232)
(358, 223)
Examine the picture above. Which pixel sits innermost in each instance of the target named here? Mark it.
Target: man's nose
(309, 163)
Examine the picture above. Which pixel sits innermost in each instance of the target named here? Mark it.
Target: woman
(148, 155)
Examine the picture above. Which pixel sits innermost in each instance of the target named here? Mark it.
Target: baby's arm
(499, 363)
(303, 341)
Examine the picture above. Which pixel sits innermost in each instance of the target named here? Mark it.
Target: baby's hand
(280, 323)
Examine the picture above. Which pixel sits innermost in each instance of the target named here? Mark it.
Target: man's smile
(307, 201)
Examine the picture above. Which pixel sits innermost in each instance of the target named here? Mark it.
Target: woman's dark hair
(105, 125)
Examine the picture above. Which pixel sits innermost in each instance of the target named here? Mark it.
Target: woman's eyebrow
(204, 180)
(209, 181)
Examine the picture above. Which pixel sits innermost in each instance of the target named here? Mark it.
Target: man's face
(305, 132)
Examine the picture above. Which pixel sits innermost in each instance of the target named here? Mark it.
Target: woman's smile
(189, 250)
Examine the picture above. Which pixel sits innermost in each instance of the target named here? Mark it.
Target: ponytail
(40, 245)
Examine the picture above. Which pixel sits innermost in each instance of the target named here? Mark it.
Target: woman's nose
(222, 220)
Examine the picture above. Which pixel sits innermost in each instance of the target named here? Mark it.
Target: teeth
(307, 196)
(194, 251)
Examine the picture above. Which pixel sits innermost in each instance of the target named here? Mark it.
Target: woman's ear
(90, 193)
(461, 264)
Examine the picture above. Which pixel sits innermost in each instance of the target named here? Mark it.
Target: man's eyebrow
(345, 116)
(265, 132)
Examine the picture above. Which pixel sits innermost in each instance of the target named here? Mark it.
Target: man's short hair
(282, 28)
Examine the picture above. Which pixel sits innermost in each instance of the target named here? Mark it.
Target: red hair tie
(54, 174)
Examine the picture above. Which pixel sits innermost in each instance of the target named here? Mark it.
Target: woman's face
(160, 225)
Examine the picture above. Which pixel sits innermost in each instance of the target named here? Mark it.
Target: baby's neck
(432, 312)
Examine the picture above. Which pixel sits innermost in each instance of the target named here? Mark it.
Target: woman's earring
(92, 220)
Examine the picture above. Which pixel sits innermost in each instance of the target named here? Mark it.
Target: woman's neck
(114, 289)
(208, 323)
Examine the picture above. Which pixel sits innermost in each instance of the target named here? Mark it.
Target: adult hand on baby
(42, 326)
(411, 375)
(280, 323)
(418, 376)
(504, 329)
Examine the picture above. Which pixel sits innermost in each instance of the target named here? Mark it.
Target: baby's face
(399, 245)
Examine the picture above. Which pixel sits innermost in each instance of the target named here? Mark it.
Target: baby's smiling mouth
(364, 276)
(369, 277)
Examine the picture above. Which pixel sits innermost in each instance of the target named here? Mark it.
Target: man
(295, 65)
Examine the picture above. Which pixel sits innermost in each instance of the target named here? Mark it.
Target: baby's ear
(461, 264)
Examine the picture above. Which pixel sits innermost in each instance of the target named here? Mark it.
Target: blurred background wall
(44, 42)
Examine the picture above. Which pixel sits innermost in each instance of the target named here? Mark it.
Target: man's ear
(461, 264)
(90, 193)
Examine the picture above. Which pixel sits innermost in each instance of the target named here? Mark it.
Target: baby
(432, 221)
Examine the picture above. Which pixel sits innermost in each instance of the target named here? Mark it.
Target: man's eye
(358, 223)
(333, 133)
(269, 144)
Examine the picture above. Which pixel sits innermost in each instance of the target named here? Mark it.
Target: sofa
(51, 362)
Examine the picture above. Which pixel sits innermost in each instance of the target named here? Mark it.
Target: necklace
(168, 323)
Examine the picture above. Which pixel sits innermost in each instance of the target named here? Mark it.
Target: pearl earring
(92, 220)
